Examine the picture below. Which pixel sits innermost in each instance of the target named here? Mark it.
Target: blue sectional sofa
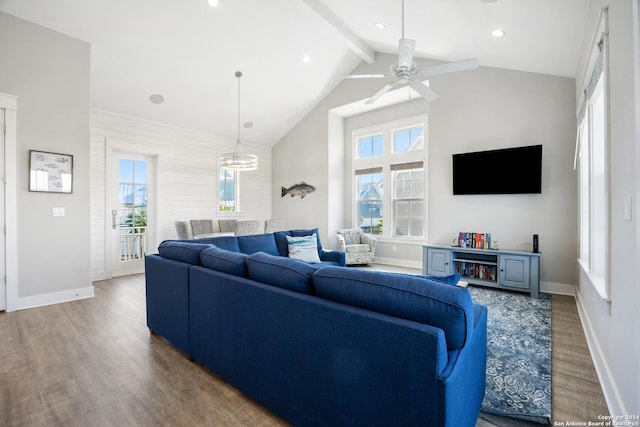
(322, 345)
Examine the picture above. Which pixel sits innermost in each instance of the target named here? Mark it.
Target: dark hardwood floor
(94, 363)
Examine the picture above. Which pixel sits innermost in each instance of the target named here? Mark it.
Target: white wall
(187, 174)
(612, 329)
(477, 110)
(49, 73)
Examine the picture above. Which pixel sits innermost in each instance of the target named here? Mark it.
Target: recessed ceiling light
(497, 33)
(156, 98)
(306, 59)
(212, 3)
(379, 25)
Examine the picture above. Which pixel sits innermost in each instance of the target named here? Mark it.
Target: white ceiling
(189, 52)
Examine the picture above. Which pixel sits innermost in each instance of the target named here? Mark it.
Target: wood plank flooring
(94, 363)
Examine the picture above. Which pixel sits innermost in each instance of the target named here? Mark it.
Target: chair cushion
(282, 272)
(225, 261)
(415, 298)
(182, 251)
(351, 236)
(451, 279)
(304, 248)
(362, 248)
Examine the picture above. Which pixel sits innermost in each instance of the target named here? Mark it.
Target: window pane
(408, 185)
(408, 140)
(227, 190)
(370, 202)
(370, 146)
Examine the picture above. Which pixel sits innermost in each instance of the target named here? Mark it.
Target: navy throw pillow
(282, 272)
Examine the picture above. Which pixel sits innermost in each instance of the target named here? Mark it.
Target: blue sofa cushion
(225, 261)
(451, 279)
(282, 272)
(258, 243)
(229, 243)
(182, 251)
(415, 298)
(283, 246)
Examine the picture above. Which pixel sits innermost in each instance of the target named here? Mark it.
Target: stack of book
(474, 240)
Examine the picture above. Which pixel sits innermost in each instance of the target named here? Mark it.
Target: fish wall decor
(301, 190)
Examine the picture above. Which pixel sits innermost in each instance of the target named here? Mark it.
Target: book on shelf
(474, 240)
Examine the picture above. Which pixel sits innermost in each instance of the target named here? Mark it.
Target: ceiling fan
(404, 72)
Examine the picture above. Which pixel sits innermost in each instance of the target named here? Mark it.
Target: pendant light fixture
(238, 160)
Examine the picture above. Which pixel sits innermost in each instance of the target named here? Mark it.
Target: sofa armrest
(342, 246)
(334, 256)
(369, 239)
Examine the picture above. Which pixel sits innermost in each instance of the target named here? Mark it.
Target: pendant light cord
(238, 75)
(402, 18)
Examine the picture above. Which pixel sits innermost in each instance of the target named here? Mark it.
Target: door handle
(114, 217)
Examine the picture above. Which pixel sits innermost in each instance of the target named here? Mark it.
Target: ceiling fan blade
(424, 90)
(381, 92)
(451, 67)
(365, 76)
(405, 52)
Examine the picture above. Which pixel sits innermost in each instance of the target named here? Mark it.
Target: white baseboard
(399, 262)
(609, 388)
(558, 288)
(55, 297)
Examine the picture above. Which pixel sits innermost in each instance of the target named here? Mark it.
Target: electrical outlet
(57, 211)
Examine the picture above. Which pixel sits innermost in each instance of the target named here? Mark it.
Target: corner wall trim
(609, 387)
(55, 297)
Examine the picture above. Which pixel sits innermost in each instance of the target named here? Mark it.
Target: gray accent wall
(482, 109)
(49, 73)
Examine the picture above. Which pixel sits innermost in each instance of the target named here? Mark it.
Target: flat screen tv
(506, 171)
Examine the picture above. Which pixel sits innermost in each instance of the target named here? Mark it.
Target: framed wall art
(50, 172)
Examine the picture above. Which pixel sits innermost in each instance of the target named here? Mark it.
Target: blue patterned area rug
(518, 355)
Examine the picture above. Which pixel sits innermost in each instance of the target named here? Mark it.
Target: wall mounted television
(515, 170)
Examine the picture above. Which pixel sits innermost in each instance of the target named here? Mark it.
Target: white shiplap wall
(186, 177)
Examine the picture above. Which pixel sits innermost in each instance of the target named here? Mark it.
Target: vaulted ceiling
(188, 52)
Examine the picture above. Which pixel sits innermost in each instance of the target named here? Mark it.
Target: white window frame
(594, 168)
(385, 161)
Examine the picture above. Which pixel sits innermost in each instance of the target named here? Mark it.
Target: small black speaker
(535, 243)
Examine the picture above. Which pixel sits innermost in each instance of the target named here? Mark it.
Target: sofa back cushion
(225, 261)
(282, 272)
(182, 251)
(258, 243)
(229, 243)
(415, 298)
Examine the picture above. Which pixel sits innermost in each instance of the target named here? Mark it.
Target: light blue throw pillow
(304, 248)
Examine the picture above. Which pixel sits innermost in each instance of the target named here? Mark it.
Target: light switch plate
(57, 211)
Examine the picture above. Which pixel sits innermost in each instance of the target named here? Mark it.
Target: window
(391, 156)
(369, 184)
(408, 140)
(228, 182)
(593, 166)
(370, 146)
(408, 199)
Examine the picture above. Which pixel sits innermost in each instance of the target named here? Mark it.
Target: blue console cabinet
(505, 269)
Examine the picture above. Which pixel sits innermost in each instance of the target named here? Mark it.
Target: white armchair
(359, 247)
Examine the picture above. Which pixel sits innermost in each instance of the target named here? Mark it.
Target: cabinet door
(514, 271)
(438, 261)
